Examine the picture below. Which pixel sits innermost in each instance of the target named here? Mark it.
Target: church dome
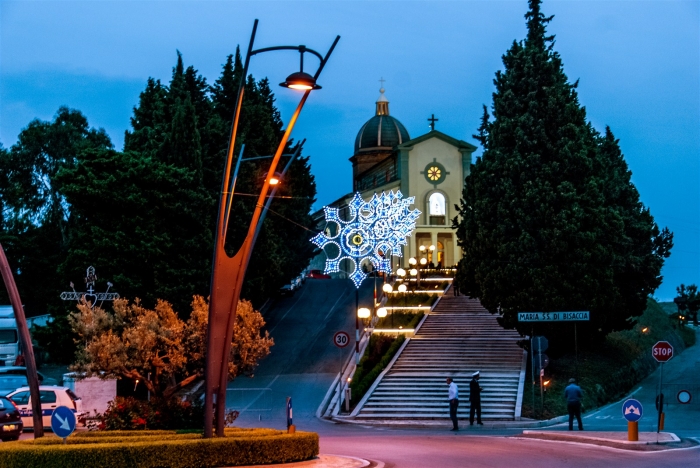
(381, 132)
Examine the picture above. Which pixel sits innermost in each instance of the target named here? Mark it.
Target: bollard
(291, 429)
(661, 421)
(632, 431)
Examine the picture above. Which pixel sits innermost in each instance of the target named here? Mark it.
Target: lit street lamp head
(300, 80)
(402, 288)
(387, 288)
(401, 272)
(413, 272)
(423, 261)
(412, 261)
(422, 248)
(381, 312)
(363, 312)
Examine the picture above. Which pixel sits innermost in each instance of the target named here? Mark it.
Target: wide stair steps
(458, 338)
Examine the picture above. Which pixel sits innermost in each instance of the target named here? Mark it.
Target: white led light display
(374, 230)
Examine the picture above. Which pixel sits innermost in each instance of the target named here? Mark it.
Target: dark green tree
(688, 301)
(549, 218)
(139, 221)
(36, 215)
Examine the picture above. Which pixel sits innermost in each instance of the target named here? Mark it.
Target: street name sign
(63, 421)
(662, 351)
(580, 316)
(341, 339)
(632, 410)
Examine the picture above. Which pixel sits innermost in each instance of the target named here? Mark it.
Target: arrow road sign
(63, 421)
(632, 410)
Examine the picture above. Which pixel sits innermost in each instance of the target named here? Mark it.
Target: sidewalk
(648, 441)
(326, 461)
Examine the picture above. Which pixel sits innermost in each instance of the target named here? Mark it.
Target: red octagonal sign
(662, 351)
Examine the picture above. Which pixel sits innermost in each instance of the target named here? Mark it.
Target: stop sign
(662, 351)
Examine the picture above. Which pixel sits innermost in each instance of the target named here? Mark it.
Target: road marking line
(288, 310)
(260, 394)
(336, 303)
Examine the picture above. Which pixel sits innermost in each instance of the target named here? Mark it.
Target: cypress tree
(540, 226)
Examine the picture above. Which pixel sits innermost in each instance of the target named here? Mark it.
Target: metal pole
(532, 367)
(661, 398)
(26, 343)
(539, 354)
(340, 376)
(357, 326)
(576, 348)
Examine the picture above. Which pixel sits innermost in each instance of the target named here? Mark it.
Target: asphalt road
(304, 361)
(680, 373)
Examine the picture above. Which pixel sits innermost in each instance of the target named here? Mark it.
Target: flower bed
(166, 449)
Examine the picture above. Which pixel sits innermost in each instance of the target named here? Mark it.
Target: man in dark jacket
(573, 395)
(475, 400)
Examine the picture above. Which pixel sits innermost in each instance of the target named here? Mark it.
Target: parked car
(317, 274)
(19, 370)
(10, 420)
(11, 382)
(9, 338)
(287, 290)
(51, 397)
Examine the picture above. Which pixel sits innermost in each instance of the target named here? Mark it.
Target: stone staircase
(457, 338)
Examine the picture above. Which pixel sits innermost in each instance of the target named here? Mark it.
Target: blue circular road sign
(63, 421)
(632, 410)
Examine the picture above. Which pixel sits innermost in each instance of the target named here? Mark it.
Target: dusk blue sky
(637, 61)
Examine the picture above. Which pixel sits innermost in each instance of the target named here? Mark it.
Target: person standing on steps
(475, 400)
(574, 395)
(453, 397)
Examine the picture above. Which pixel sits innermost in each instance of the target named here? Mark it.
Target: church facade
(431, 168)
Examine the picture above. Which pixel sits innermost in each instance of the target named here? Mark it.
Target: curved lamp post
(228, 272)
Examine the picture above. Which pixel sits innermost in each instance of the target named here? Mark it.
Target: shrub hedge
(162, 450)
(379, 353)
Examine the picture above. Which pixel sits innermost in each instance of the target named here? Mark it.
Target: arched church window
(436, 209)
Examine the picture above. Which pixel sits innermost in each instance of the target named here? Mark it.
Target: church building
(431, 168)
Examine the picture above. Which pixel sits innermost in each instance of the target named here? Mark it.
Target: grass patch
(400, 319)
(162, 449)
(609, 373)
(379, 353)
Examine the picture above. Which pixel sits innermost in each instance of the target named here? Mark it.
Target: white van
(9, 337)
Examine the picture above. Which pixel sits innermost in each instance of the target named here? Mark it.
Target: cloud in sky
(638, 65)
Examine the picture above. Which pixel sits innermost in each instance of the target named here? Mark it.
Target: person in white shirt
(453, 396)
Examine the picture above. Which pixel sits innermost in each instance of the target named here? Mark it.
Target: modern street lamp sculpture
(228, 272)
(374, 230)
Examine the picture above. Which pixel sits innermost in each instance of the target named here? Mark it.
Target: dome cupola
(382, 132)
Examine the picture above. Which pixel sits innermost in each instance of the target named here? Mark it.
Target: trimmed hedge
(166, 449)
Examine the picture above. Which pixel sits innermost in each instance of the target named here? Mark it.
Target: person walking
(475, 400)
(573, 395)
(453, 396)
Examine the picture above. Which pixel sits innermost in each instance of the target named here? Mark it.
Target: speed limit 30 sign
(341, 339)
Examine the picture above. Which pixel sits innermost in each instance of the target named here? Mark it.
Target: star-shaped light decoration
(375, 230)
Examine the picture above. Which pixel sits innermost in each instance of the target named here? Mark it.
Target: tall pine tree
(549, 218)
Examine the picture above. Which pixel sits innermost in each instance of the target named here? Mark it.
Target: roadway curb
(437, 423)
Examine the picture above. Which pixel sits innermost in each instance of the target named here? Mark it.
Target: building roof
(381, 132)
